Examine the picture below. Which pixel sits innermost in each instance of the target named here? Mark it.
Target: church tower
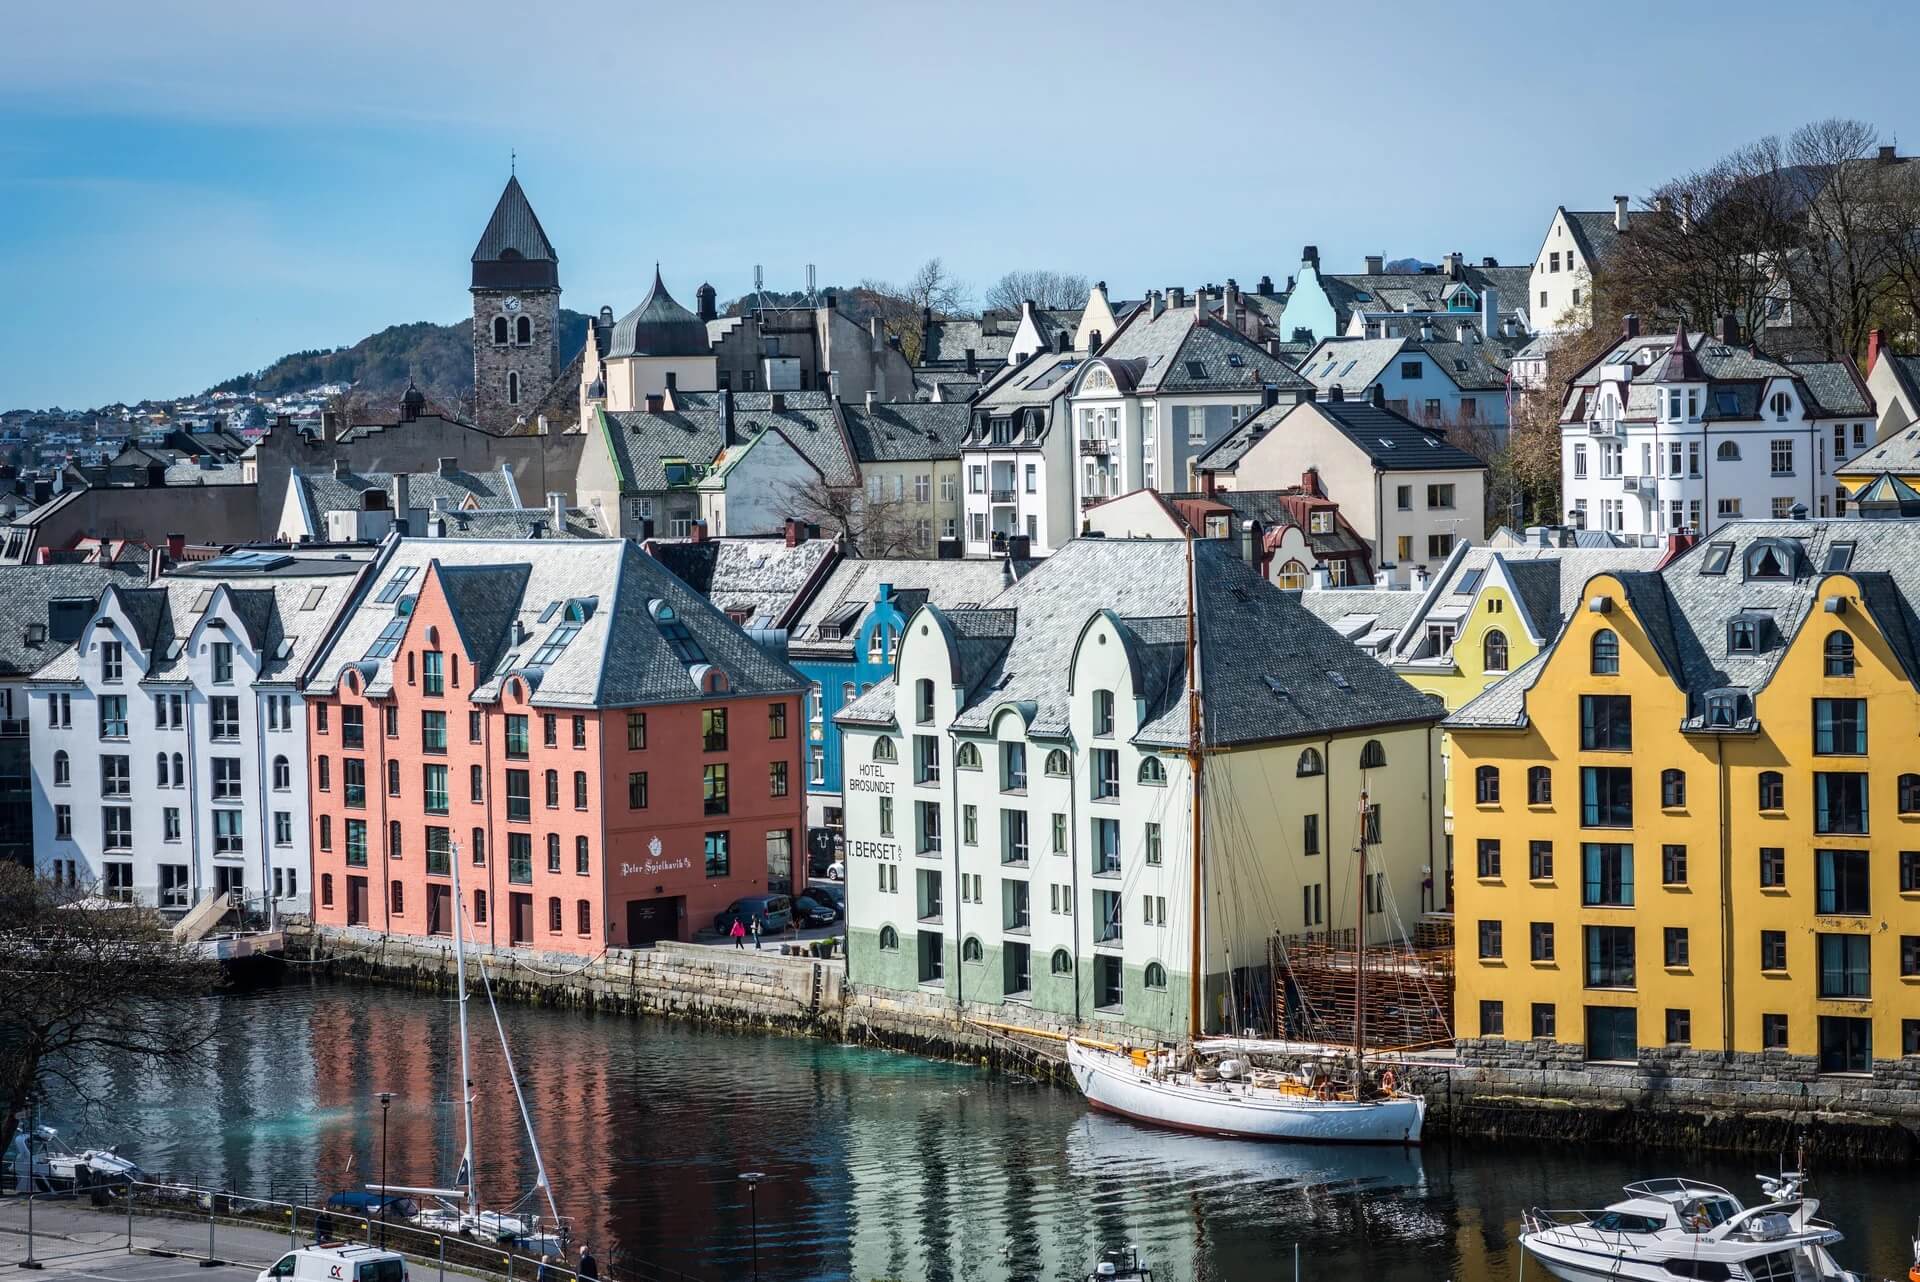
(516, 313)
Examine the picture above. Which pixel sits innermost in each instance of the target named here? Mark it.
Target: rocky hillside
(438, 357)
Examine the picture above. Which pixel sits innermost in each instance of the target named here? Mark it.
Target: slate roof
(1277, 508)
(27, 596)
(1368, 616)
(848, 593)
(327, 491)
(1686, 611)
(1421, 291)
(1171, 353)
(659, 326)
(1353, 364)
(517, 523)
(990, 337)
(944, 386)
(1391, 440)
(761, 579)
(286, 601)
(514, 231)
(907, 431)
(1595, 232)
(1270, 669)
(696, 430)
(1831, 389)
(509, 598)
(1906, 373)
(1025, 393)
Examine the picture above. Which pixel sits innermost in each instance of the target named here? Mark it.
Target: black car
(829, 892)
(808, 911)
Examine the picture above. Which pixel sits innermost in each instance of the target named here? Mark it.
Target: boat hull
(1112, 1084)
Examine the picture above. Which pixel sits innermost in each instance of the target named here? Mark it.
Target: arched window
(62, 769)
(923, 701)
(399, 900)
(1729, 452)
(889, 939)
(1606, 653)
(971, 950)
(1779, 403)
(179, 771)
(1673, 789)
(1057, 763)
(1494, 658)
(1062, 963)
(1539, 786)
(1486, 785)
(1152, 772)
(1910, 794)
(553, 914)
(1839, 654)
(883, 750)
(1309, 764)
(523, 330)
(1773, 791)
(968, 758)
(1155, 977)
(499, 330)
(583, 916)
(1372, 755)
(847, 693)
(1292, 577)
(163, 769)
(282, 774)
(393, 839)
(513, 387)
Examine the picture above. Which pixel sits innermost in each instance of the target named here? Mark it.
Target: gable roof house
(1434, 375)
(1408, 490)
(1292, 536)
(344, 506)
(1382, 304)
(729, 459)
(1016, 460)
(909, 456)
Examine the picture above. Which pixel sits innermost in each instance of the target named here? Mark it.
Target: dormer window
(1769, 559)
(1723, 709)
(1780, 403)
(223, 663)
(923, 701)
(112, 661)
(1726, 404)
(1743, 636)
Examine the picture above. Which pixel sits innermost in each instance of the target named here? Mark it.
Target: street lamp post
(386, 1099)
(753, 1179)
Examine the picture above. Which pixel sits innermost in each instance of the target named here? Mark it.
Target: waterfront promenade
(74, 1240)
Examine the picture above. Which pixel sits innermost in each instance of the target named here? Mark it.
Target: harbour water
(878, 1166)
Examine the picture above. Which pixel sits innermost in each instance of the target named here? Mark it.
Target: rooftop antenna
(811, 301)
(760, 284)
(513, 163)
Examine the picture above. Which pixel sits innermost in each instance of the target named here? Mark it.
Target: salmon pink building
(611, 760)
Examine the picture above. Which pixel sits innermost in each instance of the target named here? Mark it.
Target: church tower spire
(516, 313)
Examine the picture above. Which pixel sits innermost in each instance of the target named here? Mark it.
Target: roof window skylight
(1718, 554)
(395, 586)
(389, 639)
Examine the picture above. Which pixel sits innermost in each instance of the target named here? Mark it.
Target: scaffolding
(1409, 987)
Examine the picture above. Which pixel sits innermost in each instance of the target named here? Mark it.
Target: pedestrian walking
(588, 1270)
(756, 931)
(546, 1272)
(322, 1228)
(739, 933)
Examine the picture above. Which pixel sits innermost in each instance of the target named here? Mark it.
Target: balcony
(1098, 447)
(1001, 496)
(1637, 484)
(1607, 427)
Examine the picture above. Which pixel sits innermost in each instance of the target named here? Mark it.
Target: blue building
(845, 641)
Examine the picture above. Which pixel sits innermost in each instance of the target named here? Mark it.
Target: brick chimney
(1874, 339)
(1677, 543)
(1310, 482)
(656, 403)
(697, 532)
(1630, 326)
(176, 548)
(796, 532)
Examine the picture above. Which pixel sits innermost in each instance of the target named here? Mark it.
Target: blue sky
(191, 190)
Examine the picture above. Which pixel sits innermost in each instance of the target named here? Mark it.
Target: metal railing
(252, 1231)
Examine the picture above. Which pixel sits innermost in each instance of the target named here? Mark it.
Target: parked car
(337, 1264)
(809, 911)
(828, 892)
(774, 911)
(837, 870)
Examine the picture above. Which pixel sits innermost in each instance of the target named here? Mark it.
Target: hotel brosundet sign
(872, 778)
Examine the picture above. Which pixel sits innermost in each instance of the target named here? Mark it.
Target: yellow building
(1683, 839)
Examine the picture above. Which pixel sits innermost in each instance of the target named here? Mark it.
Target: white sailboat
(457, 1210)
(1227, 1098)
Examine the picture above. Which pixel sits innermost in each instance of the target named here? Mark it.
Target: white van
(337, 1264)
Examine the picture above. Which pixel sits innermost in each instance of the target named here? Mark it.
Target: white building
(1019, 802)
(1172, 382)
(1664, 434)
(1560, 289)
(169, 743)
(1016, 463)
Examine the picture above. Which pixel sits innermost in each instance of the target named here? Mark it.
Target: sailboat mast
(460, 983)
(1360, 948)
(1193, 768)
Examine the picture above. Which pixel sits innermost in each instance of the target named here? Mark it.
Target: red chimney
(1874, 340)
(697, 532)
(796, 532)
(176, 548)
(1677, 544)
(1310, 482)
(1208, 485)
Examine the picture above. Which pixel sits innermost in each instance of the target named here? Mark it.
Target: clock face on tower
(512, 304)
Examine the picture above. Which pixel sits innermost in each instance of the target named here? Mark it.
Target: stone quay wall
(1498, 1091)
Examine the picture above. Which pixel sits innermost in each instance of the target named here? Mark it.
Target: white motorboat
(1238, 1104)
(54, 1160)
(1675, 1228)
(1122, 1264)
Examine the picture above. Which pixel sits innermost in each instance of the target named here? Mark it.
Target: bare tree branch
(1045, 288)
(872, 527)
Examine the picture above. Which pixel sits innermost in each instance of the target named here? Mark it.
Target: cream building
(1019, 801)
